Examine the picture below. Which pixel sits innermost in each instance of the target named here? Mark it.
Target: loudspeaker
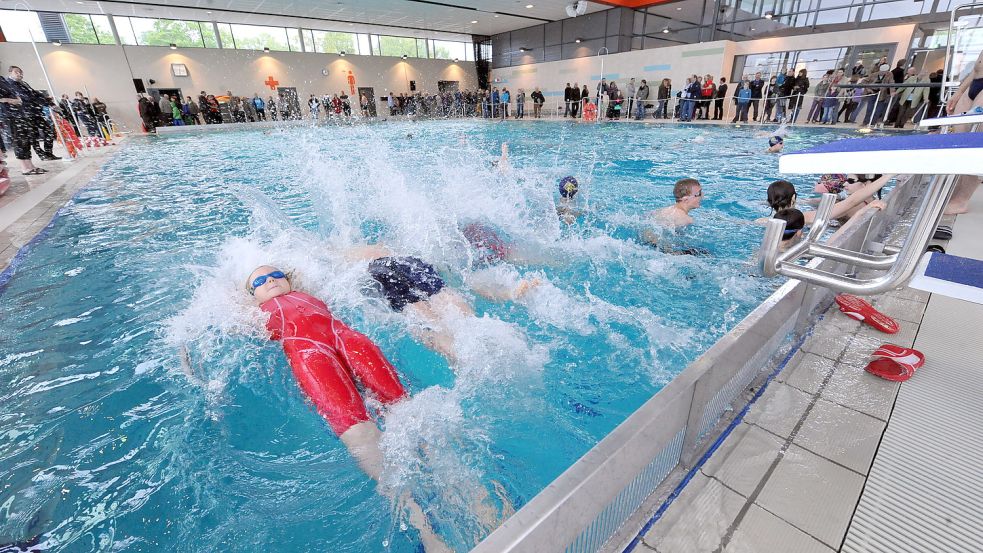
(412, 86)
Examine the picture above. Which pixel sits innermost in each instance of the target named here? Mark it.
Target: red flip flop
(907, 357)
(889, 369)
(859, 309)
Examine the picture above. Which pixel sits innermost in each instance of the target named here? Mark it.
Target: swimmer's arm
(367, 252)
(650, 237)
(853, 200)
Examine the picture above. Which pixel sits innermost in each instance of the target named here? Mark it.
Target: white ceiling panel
(446, 16)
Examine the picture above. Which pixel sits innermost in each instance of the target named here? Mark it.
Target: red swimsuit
(326, 355)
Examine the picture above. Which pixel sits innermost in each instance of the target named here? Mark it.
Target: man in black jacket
(756, 85)
(17, 105)
(799, 90)
(566, 100)
(718, 102)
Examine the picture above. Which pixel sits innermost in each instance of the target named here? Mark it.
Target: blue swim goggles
(261, 280)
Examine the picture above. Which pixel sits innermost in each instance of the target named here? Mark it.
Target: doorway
(289, 103)
(156, 93)
(369, 94)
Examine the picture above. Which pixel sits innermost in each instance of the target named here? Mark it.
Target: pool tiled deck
(806, 469)
(31, 202)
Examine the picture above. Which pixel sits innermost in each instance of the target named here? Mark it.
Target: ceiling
(482, 17)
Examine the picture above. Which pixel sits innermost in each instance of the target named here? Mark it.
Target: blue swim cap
(775, 140)
(568, 187)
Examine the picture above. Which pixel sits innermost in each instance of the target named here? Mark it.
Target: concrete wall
(107, 72)
(678, 62)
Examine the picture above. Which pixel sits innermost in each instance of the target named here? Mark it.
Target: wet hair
(775, 140)
(794, 222)
(684, 187)
(781, 195)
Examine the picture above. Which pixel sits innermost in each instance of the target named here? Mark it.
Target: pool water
(144, 410)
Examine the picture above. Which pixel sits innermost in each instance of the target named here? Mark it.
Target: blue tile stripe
(651, 68)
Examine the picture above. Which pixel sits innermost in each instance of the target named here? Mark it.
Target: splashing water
(144, 407)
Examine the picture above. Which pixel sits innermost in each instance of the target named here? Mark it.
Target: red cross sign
(270, 82)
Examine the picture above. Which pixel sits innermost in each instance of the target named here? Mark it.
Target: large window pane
(397, 46)
(80, 29)
(308, 40)
(163, 32)
(293, 40)
(421, 48)
(19, 26)
(364, 48)
(208, 34)
(225, 33)
(333, 42)
(447, 50)
(125, 30)
(103, 31)
(254, 37)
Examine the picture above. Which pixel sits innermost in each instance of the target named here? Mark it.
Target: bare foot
(956, 210)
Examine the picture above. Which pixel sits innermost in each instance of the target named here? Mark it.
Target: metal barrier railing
(585, 508)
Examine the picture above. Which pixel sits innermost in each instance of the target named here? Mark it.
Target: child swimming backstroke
(326, 357)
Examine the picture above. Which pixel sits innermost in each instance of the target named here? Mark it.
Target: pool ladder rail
(943, 157)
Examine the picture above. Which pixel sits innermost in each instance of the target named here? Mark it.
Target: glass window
(125, 30)
(364, 46)
(447, 50)
(208, 34)
(421, 48)
(163, 32)
(308, 40)
(397, 46)
(80, 29)
(225, 33)
(293, 39)
(20, 26)
(103, 31)
(254, 37)
(334, 42)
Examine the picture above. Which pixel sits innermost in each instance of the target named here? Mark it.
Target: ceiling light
(578, 41)
(679, 9)
(342, 53)
(266, 49)
(404, 56)
(666, 30)
(474, 21)
(456, 60)
(529, 6)
(523, 49)
(769, 15)
(753, 29)
(56, 42)
(173, 46)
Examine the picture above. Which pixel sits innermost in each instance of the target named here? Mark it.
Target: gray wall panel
(554, 33)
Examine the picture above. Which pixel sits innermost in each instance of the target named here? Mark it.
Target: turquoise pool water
(109, 442)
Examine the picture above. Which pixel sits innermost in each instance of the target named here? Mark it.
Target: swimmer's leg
(362, 440)
(369, 365)
(328, 384)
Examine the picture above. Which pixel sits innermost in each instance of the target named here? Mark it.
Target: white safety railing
(585, 509)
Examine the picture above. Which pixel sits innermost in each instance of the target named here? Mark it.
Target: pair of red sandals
(890, 361)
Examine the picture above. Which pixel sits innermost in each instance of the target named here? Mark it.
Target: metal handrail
(950, 46)
(899, 266)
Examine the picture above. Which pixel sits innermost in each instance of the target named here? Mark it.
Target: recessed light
(56, 42)
(523, 49)
(578, 41)
(496, 15)
(474, 21)
(679, 9)
(456, 60)
(173, 46)
(404, 56)
(208, 12)
(529, 6)
(266, 49)
(342, 53)
(753, 29)
(769, 15)
(666, 30)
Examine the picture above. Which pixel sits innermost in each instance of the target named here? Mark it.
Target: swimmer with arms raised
(327, 357)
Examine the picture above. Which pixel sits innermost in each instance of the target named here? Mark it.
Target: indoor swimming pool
(145, 410)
